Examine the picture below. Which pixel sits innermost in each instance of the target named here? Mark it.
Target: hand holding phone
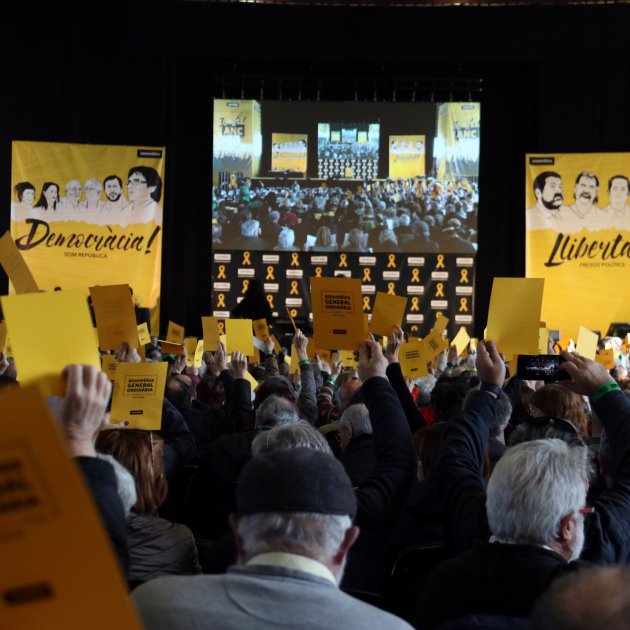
(541, 367)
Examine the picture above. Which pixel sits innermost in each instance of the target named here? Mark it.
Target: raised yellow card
(175, 333)
(347, 358)
(48, 332)
(138, 395)
(433, 344)
(210, 327)
(587, 343)
(514, 314)
(58, 567)
(276, 344)
(606, 358)
(461, 341)
(543, 341)
(190, 345)
(115, 316)
(171, 348)
(144, 337)
(324, 355)
(294, 367)
(261, 329)
(198, 354)
(239, 336)
(388, 313)
(3, 336)
(412, 361)
(108, 365)
(337, 312)
(441, 322)
(15, 267)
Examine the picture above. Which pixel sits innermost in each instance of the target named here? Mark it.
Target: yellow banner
(457, 144)
(85, 215)
(578, 237)
(407, 156)
(288, 152)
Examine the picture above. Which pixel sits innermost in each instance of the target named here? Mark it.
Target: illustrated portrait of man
(113, 187)
(549, 211)
(618, 210)
(72, 199)
(144, 187)
(586, 194)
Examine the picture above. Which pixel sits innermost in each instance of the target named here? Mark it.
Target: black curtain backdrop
(553, 79)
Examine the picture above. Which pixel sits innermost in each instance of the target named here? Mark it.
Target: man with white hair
(250, 237)
(532, 514)
(286, 240)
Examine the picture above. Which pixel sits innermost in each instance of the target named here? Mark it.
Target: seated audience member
(293, 529)
(357, 444)
(388, 241)
(156, 546)
(533, 508)
(355, 241)
(593, 597)
(323, 241)
(250, 237)
(286, 241)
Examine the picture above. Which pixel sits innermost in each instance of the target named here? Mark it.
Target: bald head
(346, 391)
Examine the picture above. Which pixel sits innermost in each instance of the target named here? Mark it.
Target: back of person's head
(355, 237)
(250, 228)
(276, 411)
(387, 236)
(593, 597)
(142, 454)
(448, 396)
(274, 385)
(210, 391)
(404, 220)
(502, 417)
(296, 435)
(125, 484)
(180, 391)
(557, 401)
(324, 237)
(427, 441)
(425, 387)
(356, 418)
(286, 238)
(347, 391)
(533, 487)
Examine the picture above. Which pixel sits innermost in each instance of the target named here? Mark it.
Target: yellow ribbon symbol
(246, 260)
(390, 288)
(415, 275)
(221, 300)
(295, 260)
(392, 261)
(463, 305)
(318, 272)
(366, 303)
(440, 262)
(270, 300)
(415, 304)
(221, 275)
(245, 286)
(294, 288)
(342, 260)
(367, 275)
(414, 328)
(221, 326)
(293, 312)
(270, 275)
(463, 276)
(439, 290)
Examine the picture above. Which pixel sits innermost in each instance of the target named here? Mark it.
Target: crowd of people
(424, 216)
(324, 499)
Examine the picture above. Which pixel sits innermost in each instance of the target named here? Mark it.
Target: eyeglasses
(136, 181)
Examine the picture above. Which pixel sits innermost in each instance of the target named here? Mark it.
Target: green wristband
(603, 389)
(304, 362)
(331, 380)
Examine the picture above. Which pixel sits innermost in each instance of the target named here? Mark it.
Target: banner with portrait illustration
(406, 156)
(457, 143)
(289, 152)
(86, 215)
(578, 237)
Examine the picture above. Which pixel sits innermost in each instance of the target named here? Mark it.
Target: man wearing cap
(293, 531)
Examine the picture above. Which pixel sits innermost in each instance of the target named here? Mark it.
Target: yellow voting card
(543, 341)
(171, 348)
(190, 345)
(337, 312)
(144, 337)
(433, 344)
(347, 358)
(108, 365)
(294, 367)
(514, 315)
(461, 341)
(58, 567)
(412, 361)
(175, 333)
(441, 322)
(587, 343)
(49, 331)
(115, 316)
(261, 329)
(276, 344)
(324, 355)
(198, 354)
(138, 395)
(210, 333)
(388, 313)
(239, 336)
(606, 358)
(15, 267)
(3, 336)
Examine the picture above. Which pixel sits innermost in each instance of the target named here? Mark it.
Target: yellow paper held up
(433, 344)
(15, 267)
(144, 336)
(324, 355)
(48, 332)
(108, 365)
(198, 354)
(606, 358)
(49, 528)
(347, 358)
(138, 395)
(514, 315)
(210, 327)
(175, 333)
(190, 345)
(3, 336)
(239, 336)
(461, 341)
(115, 316)
(294, 367)
(412, 361)
(388, 313)
(543, 341)
(587, 343)
(172, 348)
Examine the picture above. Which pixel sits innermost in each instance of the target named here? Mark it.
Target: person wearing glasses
(531, 515)
(144, 188)
(93, 190)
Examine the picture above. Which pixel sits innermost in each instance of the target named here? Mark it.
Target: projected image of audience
(347, 151)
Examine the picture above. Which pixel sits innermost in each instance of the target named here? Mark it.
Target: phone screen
(542, 367)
